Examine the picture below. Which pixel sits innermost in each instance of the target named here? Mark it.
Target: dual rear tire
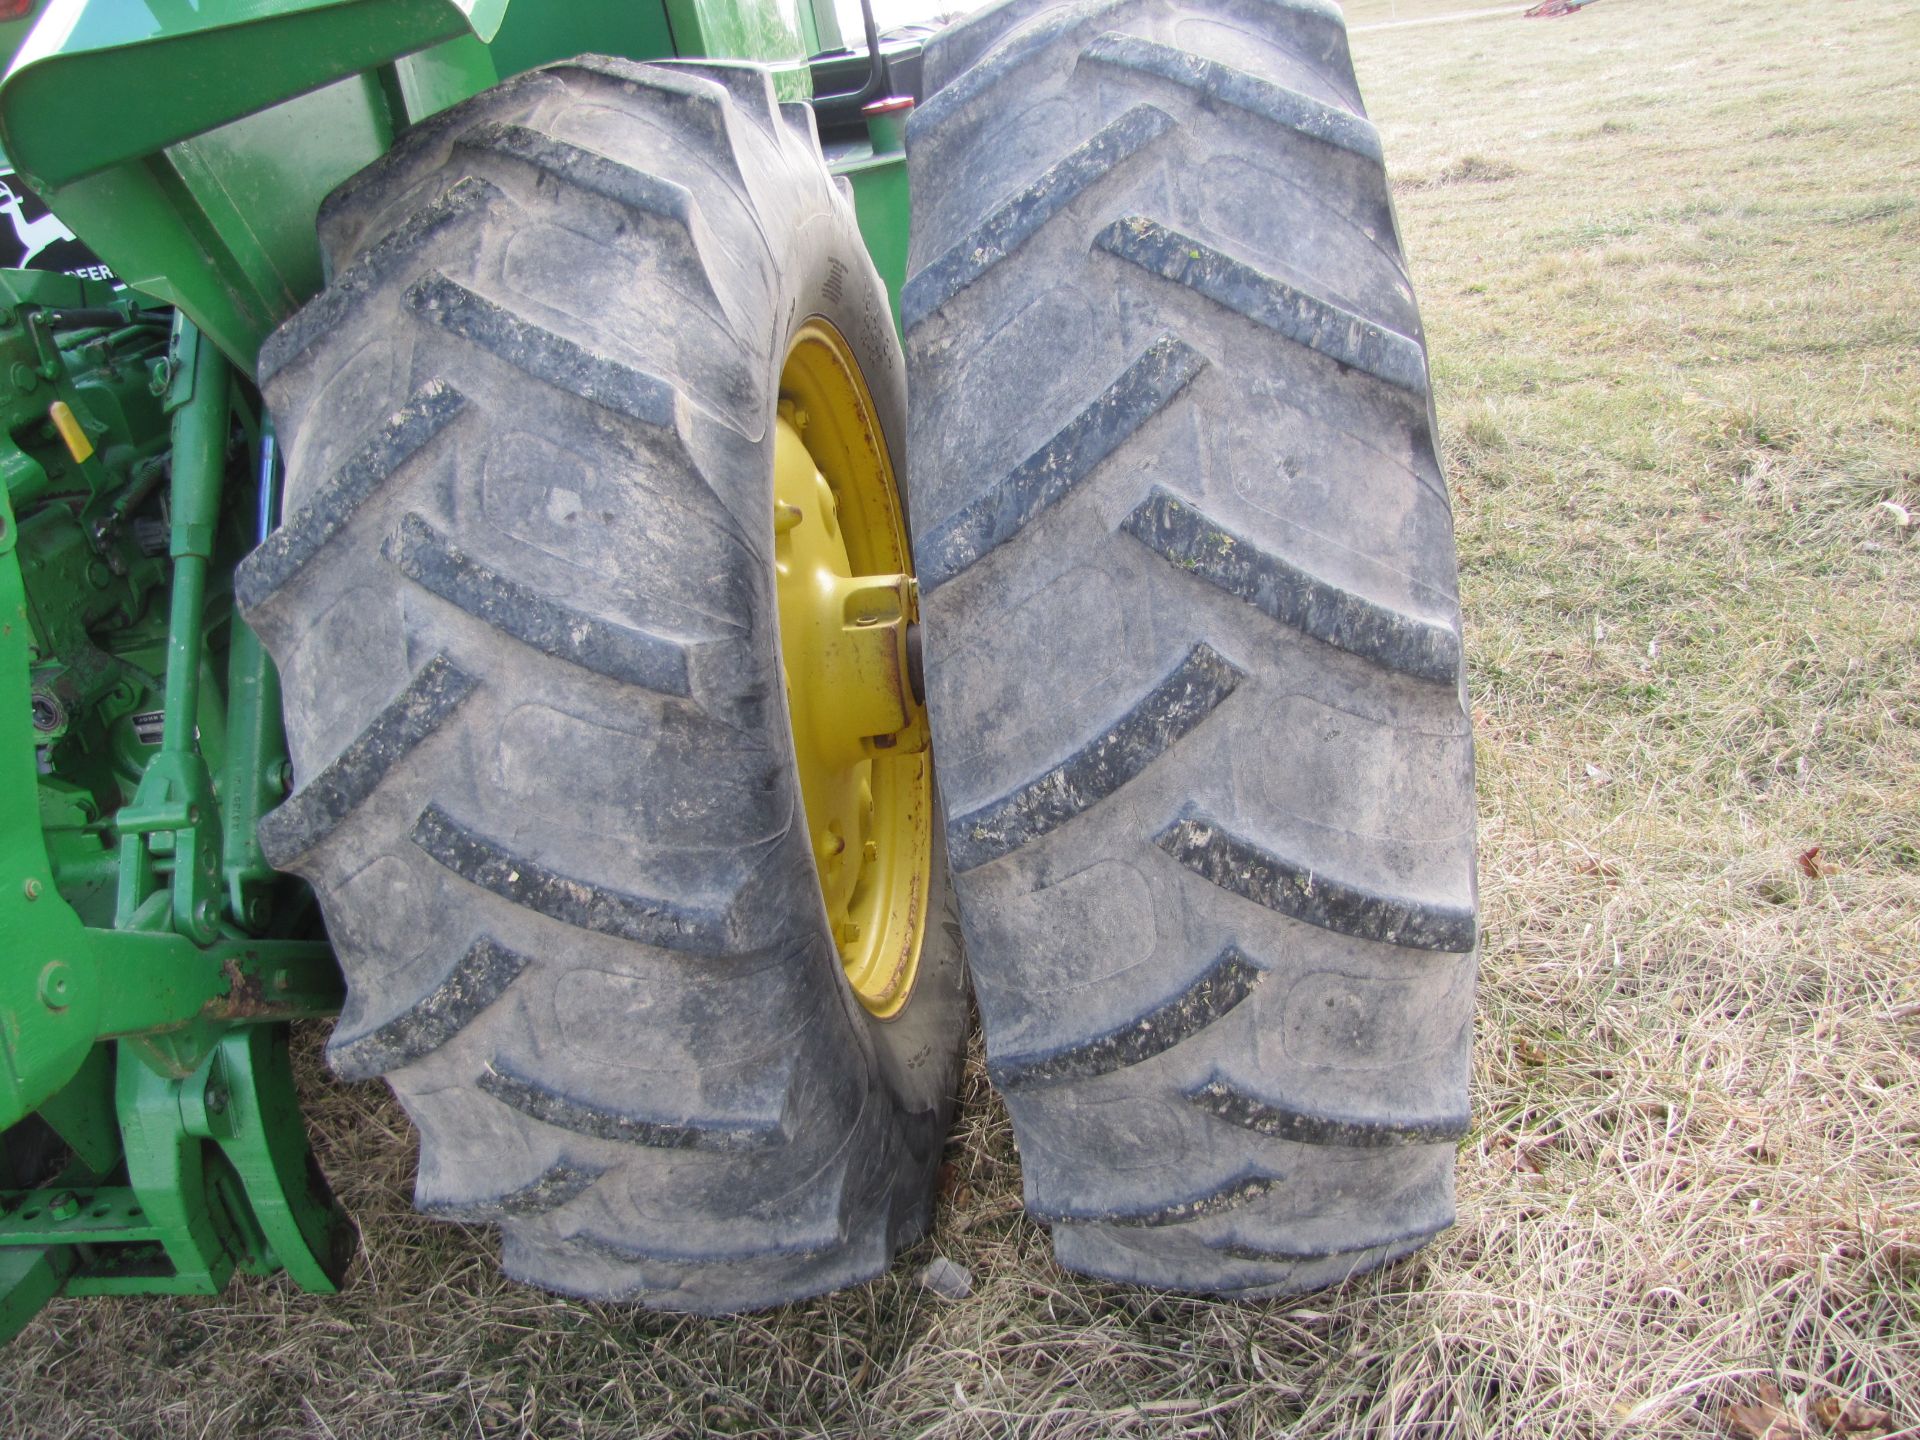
(525, 607)
(1193, 664)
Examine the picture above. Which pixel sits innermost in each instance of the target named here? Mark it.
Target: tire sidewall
(917, 1053)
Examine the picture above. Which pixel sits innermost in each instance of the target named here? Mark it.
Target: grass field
(1667, 259)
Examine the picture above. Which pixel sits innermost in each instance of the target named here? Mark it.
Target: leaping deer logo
(36, 234)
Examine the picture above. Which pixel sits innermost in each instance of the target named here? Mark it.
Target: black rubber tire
(1194, 667)
(523, 608)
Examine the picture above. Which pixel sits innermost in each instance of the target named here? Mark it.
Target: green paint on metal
(176, 71)
(139, 742)
(67, 985)
(216, 1176)
(306, 1233)
(779, 34)
(174, 816)
(28, 1279)
(203, 195)
(256, 774)
(168, 1172)
(443, 75)
(534, 34)
(81, 1114)
(222, 225)
(878, 172)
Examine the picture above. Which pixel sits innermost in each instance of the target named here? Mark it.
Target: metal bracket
(215, 1179)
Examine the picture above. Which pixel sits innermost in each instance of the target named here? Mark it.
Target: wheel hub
(848, 612)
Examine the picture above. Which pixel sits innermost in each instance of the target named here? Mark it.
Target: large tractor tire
(1194, 662)
(589, 609)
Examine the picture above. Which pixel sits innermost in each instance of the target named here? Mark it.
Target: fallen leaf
(1529, 1053)
(1812, 865)
(1765, 1419)
(1850, 1417)
(1598, 776)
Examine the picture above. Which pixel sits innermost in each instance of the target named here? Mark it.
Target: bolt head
(217, 1099)
(56, 985)
(63, 1206)
(31, 889)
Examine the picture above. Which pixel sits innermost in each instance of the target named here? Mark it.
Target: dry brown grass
(1666, 254)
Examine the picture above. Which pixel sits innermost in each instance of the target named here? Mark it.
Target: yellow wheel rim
(844, 573)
